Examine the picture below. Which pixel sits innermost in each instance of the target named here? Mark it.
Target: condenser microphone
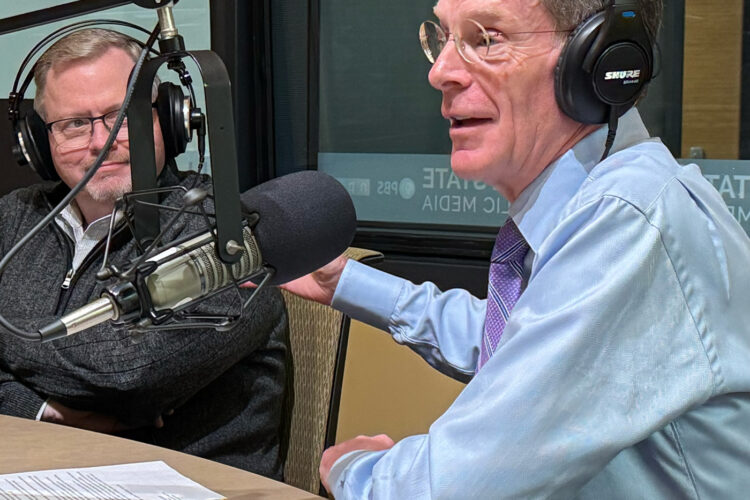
(304, 221)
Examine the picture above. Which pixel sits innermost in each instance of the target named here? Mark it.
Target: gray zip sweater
(226, 388)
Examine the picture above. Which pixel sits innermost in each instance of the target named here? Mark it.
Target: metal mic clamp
(126, 300)
(147, 310)
(166, 22)
(169, 39)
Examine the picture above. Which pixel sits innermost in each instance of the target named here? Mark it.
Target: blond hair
(83, 45)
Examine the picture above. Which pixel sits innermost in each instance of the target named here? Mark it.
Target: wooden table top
(28, 445)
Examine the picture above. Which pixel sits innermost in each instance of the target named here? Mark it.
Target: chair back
(318, 339)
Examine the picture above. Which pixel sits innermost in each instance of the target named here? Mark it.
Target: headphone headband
(31, 142)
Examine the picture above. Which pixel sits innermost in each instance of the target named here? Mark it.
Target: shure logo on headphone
(633, 74)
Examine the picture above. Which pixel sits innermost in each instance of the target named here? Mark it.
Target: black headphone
(605, 64)
(177, 113)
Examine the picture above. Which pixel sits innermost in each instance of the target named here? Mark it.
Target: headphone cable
(611, 133)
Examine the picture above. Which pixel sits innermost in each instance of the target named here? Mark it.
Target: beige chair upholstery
(318, 337)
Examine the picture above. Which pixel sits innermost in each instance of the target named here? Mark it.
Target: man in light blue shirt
(624, 368)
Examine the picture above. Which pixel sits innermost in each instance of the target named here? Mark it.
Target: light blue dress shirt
(624, 369)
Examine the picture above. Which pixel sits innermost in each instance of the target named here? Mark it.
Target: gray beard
(107, 193)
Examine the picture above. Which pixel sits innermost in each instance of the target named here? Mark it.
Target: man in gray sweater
(213, 394)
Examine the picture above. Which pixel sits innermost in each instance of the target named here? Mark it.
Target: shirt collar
(70, 221)
(536, 210)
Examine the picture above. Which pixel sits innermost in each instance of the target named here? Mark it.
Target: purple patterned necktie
(504, 288)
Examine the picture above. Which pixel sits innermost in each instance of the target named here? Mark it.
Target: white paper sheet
(139, 481)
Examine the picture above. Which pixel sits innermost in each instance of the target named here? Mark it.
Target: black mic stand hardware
(130, 295)
(221, 132)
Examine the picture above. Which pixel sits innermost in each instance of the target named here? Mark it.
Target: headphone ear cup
(614, 86)
(574, 87)
(32, 146)
(174, 118)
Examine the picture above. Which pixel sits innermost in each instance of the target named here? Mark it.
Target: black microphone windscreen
(307, 219)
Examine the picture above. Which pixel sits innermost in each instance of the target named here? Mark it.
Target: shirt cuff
(351, 474)
(41, 411)
(367, 294)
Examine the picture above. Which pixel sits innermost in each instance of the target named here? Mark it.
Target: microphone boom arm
(221, 134)
(68, 10)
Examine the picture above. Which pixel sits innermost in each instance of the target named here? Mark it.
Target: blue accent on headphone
(629, 14)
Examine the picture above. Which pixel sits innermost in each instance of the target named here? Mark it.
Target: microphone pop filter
(306, 219)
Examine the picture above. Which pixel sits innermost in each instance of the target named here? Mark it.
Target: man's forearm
(18, 400)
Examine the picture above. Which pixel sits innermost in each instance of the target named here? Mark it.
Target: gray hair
(83, 45)
(570, 13)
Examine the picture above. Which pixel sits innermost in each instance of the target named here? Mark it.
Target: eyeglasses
(473, 41)
(75, 133)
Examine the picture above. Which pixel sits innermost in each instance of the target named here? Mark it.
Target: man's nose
(449, 69)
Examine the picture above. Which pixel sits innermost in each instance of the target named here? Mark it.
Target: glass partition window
(380, 132)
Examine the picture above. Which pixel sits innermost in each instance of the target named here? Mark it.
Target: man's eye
(475, 38)
(495, 37)
(76, 123)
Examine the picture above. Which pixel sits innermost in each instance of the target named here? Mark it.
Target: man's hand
(318, 285)
(374, 443)
(58, 413)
